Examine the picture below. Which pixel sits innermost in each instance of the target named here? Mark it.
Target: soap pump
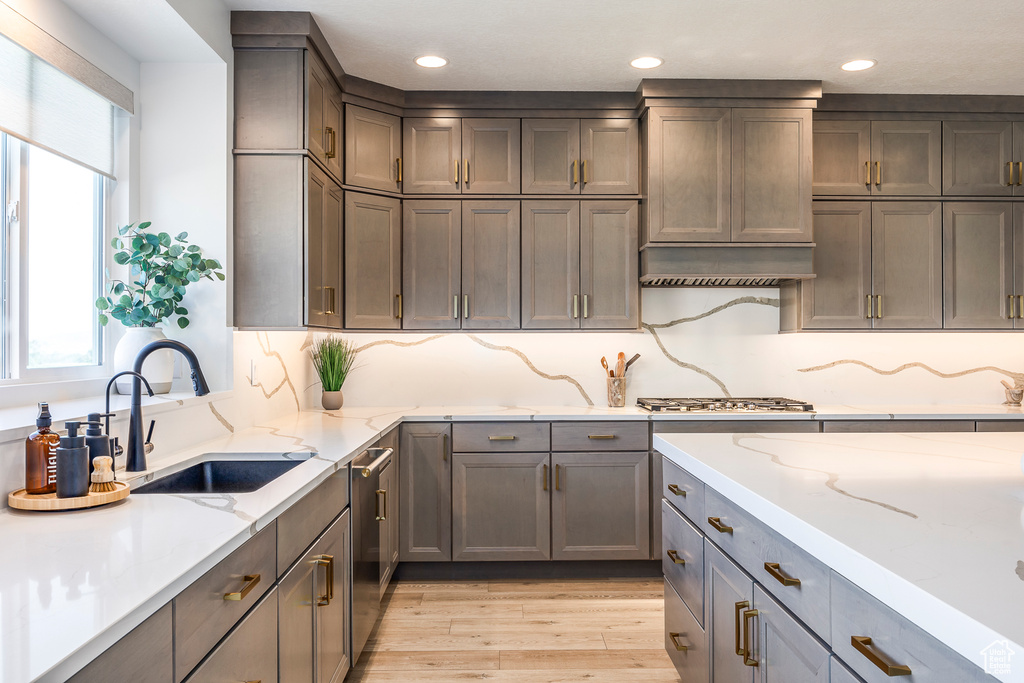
(95, 439)
(72, 463)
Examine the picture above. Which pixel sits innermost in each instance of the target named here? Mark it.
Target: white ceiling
(922, 46)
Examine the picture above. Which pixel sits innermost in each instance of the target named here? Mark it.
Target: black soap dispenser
(95, 439)
(72, 464)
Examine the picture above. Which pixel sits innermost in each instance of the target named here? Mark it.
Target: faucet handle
(148, 446)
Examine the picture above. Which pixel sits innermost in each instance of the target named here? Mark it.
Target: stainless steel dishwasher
(367, 511)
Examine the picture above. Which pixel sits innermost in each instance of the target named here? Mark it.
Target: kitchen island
(931, 525)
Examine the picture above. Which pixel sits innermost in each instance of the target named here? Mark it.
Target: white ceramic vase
(158, 367)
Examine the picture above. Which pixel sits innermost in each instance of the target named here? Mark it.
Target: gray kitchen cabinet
(551, 156)
(390, 506)
(323, 108)
(551, 264)
(610, 151)
(490, 265)
(729, 596)
(1018, 264)
(431, 264)
(785, 650)
(490, 156)
(501, 507)
(837, 297)
(685, 641)
(314, 604)
(771, 175)
(977, 158)
(248, 653)
(609, 282)
(1018, 158)
(431, 155)
(373, 262)
(688, 175)
(842, 158)
(323, 263)
(425, 472)
(840, 674)
(373, 149)
(978, 277)
(143, 656)
(600, 506)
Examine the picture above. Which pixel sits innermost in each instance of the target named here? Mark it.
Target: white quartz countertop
(73, 583)
(931, 524)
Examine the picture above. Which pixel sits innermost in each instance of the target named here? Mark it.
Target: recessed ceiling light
(645, 62)
(859, 65)
(431, 61)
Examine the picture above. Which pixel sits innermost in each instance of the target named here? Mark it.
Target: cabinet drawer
(785, 649)
(498, 437)
(249, 653)
(682, 560)
(202, 615)
(142, 656)
(599, 436)
(683, 490)
(683, 631)
(840, 674)
(300, 524)
(892, 640)
(755, 546)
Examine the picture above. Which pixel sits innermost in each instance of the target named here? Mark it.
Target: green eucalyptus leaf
(181, 265)
(119, 288)
(192, 276)
(146, 248)
(220, 276)
(175, 251)
(181, 310)
(103, 320)
(123, 230)
(102, 303)
(118, 313)
(125, 300)
(182, 323)
(165, 239)
(137, 242)
(143, 226)
(194, 248)
(120, 258)
(181, 236)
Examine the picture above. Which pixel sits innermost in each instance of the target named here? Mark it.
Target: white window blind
(42, 105)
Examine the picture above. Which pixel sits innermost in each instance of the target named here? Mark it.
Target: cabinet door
(317, 86)
(906, 157)
(490, 156)
(142, 656)
(323, 249)
(842, 158)
(373, 258)
(1018, 263)
(600, 508)
(431, 156)
(490, 265)
(977, 158)
(611, 156)
(840, 674)
(501, 508)
(728, 593)
(333, 134)
(785, 650)
(551, 265)
(431, 265)
(1018, 155)
(248, 653)
(332, 601)
(426, 493)
(373, 149)
(385, 496)
(977, 265)
(551, 156)
(689, 159)
(906, 272)
(609, 282)
(771, 175)
(296, 637)
(837, 296)
(685, 640)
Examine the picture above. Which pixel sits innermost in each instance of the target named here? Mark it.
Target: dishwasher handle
(368, 470)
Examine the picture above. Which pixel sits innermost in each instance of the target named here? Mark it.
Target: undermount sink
(221, 476)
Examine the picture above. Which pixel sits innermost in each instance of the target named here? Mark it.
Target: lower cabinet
(785, 650)
(728, 595)
(142, 656)
(387, 515)
(685, 641)
(426, 491)
(249, 653)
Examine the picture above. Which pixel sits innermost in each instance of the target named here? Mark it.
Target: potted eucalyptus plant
(160, 268)
(332, 357)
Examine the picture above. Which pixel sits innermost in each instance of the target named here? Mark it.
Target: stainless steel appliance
(729, 405)
(366, 542)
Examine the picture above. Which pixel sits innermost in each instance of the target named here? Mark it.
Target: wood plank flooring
(607, 631)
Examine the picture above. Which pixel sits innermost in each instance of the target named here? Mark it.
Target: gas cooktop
(731, 405)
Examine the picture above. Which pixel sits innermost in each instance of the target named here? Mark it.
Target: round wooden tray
(49, 501)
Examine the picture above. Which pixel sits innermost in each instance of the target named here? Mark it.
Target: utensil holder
(616, 392)
(1013, 396)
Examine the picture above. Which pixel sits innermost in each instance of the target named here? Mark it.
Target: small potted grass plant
(332, 357)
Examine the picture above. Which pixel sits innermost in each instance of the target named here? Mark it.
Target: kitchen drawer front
(785, 649)
(683, 631)
(142, 656)
(840, 674)
(202, 615)
(893, 640)
(683, 490)
(682, 541)
(299, 525)
(753, 545)
(600, 436)
(249, 653)
(500, 437)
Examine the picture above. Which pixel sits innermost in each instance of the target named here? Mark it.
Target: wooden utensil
(604, 364)
(620, 365)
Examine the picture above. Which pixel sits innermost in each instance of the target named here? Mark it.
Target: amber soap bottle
(41, 455)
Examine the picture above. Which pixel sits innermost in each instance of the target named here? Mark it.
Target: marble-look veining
(1017, 377)
(286, 380)
(683, 364)
(953, 569)
(220, 418)
(533, 368)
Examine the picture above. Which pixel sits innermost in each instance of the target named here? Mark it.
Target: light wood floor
(537, 631)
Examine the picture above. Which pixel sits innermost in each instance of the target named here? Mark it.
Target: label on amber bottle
(51, 464)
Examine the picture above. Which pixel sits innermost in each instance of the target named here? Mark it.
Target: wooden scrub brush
(102, 475)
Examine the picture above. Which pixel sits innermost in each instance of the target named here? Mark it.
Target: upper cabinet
(467, 156)
(373, 262)
(610, 151)
(983, 158)
(373, 149)
(323, 107)
(551, 156)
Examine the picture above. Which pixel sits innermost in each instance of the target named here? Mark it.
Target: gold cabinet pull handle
(773, 569)
(331, 298)
(600, 436)
(444, 448)
(575, 172)
(328, 562)
(456, 306)
(1020, 172)
(465, 176)
(867, 173)
(878, 174)
(545, 477)
(674, 556)
(398, 163)
(586, 313)
(250, 582)
(382, 507)
(1009, 166)
(510, 437)
(558, 483)
(1020, 306)
(586, 176)
(862, 644)
(399, 297)
(465, 306)
(870, 299)
(1013, 313)
(716, 522)
(674, 637)
(575, 306)
(878, 306)
(456, 173)
(676, 490)
(747, 659)
(332, 144)
(740, 606)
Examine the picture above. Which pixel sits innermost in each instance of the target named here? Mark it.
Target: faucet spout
(136, 452)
